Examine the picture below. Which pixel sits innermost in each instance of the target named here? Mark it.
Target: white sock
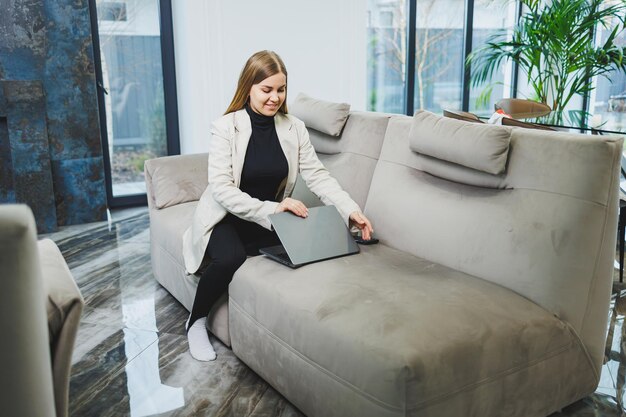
(199, 343)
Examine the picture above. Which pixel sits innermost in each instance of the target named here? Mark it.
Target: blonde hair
(258, 67)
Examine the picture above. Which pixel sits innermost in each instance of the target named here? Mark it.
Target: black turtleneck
(265, 166)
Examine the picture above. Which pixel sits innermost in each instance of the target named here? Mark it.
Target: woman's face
(267, 96)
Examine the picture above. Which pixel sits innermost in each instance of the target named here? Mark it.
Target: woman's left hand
(359, 220)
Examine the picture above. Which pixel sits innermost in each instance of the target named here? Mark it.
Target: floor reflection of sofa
(487, 296)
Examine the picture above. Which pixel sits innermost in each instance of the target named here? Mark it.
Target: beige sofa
(487, 295)
(40, 308)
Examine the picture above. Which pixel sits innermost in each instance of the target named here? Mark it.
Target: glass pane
(491, 16)
(386, 55)
(608, 101)
(130, 46)
(439, 54)
(608, 104)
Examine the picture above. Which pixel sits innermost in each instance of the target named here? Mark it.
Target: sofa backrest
(176, 179)
(351, 157)
(545, 227)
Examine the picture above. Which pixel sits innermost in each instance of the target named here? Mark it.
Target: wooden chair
(519, 108)
(462, 115)
(507, 121)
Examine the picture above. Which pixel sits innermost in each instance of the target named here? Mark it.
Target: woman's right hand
(295, 206)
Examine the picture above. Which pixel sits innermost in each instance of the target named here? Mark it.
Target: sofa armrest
(177, 179)
(64, 306)
(26, 377)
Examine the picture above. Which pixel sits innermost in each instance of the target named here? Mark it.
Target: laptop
(320, 236)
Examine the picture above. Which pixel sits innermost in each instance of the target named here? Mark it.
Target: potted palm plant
(553, 45)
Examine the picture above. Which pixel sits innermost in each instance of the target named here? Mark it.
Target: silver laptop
(322, 235)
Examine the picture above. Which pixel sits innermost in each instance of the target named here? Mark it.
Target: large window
(434, 80)
(608, 101)
(438, 55)
(131, 75)
(438, 35)
(490, 17)
(386, 56)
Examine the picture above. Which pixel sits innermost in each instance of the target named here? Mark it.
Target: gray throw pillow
(323, 116)
(478, 146)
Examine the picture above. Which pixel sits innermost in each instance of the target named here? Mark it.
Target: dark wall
(49, 131)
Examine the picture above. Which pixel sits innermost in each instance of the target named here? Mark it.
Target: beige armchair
(40, 307)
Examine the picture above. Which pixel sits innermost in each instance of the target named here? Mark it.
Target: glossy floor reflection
(131, 356)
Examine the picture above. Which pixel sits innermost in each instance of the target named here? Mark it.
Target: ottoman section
(384, 333)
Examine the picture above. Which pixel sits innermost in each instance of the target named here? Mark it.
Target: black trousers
(231, 241)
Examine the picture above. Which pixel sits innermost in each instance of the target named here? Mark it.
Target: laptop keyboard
(284, 257)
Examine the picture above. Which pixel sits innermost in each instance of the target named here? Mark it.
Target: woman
(255, 154)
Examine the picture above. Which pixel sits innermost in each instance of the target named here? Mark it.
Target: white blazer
(227, 151)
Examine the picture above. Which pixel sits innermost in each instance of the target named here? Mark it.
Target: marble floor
(131, 355)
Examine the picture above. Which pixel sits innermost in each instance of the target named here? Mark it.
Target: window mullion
(410, 59)
(468, 32)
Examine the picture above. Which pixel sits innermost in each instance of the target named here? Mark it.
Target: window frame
(169, 97)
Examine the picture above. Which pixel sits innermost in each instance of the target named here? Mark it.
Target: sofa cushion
(167, 228)
(362, 135)
(324, 116)
(401, 333)
(176, 179)
(350, 160)
(478, 146)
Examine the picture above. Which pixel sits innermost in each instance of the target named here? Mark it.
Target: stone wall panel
(50, 42)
